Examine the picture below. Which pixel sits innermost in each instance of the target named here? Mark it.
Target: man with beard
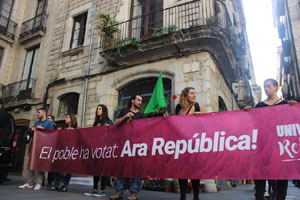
(42, 123)
(126, 115)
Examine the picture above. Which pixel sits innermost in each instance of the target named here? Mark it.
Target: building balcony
(189, 28)
(17, 93)
(7, 29)
(33, 28)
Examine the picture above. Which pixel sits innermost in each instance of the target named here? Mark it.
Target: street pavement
(10, 191)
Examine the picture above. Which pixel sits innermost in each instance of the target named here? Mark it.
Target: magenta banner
(261, 144)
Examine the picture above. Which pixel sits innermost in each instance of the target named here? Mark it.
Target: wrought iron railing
(7, 27)
(197, 13)
(38, 23)
(18, 91)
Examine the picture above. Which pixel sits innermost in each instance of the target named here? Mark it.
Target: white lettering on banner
(140, 149)
(44, 151)
(84, 153)
(205, 144)
(199, 143)
(181, 146)
(65, 154)
(196, 147)
(104, 152)
(71, 153)
(291, 149)
(204, 141)
(170, 147)
(288, 130)
(158, 147)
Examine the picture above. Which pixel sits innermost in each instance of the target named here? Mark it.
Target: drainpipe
(232, 96)
(88, 67)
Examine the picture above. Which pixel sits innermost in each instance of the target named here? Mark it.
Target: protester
(71, 123)
(126, 115)
(51, 174)
(101, 119)
(42, 123)
(52, 119)
(188, 105)
(271, 87)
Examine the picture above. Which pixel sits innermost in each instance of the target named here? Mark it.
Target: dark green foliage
(163, 30)
(156, 185)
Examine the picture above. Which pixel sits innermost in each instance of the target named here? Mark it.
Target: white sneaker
(89, 193)
(100, 194)
(26, 186)
(37, 187)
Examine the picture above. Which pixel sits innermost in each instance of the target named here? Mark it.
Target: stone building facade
(25, 32)
(201, 44)
(286, 16)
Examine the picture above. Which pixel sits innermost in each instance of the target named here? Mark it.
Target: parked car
(8, 142)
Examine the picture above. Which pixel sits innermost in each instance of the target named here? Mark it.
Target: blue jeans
(134, 186)
(57, 179)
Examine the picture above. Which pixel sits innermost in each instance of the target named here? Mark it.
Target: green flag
(158, 99)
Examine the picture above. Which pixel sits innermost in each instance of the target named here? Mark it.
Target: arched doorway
(222, 105)
(143, 87)
(68, 104)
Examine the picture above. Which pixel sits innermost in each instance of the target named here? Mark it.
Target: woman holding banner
(188, 105)
(280, 186)
(101, 119)
(71, 123)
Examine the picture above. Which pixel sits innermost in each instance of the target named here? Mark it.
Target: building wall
(206, 78)
(294, 9)
(286, 15)
(15, 54)
(7, 67)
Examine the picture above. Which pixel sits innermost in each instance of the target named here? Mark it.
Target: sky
(263, 38)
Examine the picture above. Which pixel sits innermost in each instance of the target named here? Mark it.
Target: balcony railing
(18, 91)
(195, 14)
(7, 27)
(38, 23)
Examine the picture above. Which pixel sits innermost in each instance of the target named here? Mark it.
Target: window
(142, 26)
(41, 8)
(78, 31)
(5, 13)
(29, 68)
(234, 20)
(68, 104)
(40, 11)
(1, 55)
(6, 7)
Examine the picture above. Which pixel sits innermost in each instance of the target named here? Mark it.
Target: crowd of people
(187, 105)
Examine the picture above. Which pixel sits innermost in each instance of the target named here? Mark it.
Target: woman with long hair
(71, 123)
(188, 105)
(101, 119)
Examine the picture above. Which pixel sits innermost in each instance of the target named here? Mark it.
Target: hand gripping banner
(263, 143)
